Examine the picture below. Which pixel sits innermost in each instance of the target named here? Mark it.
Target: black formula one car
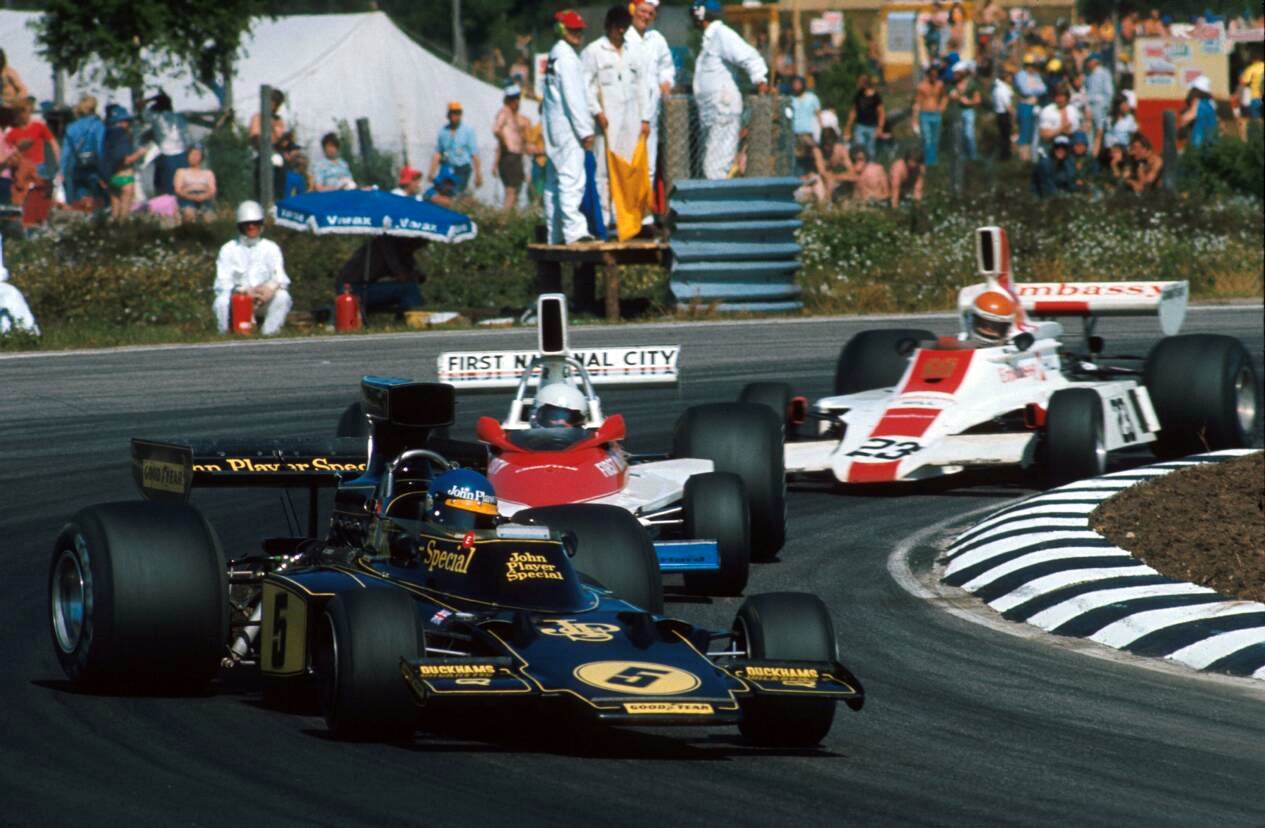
(394, 615)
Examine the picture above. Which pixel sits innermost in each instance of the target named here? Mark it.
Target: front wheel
(786, 626)
(744, 439)
(715, 508)
(1075, 445)
(360, 639)
(1204, 389)
(138, 598)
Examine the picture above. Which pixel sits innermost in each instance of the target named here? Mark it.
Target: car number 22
(882, 448)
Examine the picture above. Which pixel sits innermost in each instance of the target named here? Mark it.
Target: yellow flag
(630, 189)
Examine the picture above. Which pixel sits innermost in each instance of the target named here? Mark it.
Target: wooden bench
(586, 257)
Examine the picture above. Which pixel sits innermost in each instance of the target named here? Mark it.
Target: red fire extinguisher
(347, 311)
(242, 313)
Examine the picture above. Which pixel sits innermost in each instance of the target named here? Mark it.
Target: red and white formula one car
(909, 406)
(711, 504)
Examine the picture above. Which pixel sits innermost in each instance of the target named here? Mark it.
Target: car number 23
(884, 448)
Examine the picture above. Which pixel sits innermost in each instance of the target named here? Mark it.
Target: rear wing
(638, 365)
(166, 470)
(1052, 300)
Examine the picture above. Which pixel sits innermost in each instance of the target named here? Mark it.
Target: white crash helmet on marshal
(249, 212)
(558, 405)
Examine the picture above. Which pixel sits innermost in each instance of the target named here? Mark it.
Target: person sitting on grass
(1147, 165)
(907, 177)
(195, 188)
(869, 179)
(1055, 173)
(443, 190)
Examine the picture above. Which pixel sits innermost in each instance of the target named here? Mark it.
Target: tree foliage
(135, 39)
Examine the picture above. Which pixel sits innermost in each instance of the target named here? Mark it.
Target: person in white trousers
(567, 113)
(659, 69)
(253, 264)
(15, 314)
(616, 78)
(717, 96)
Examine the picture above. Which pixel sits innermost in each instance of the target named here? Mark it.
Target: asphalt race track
(963, 724)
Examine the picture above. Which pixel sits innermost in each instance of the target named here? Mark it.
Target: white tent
(337, 67)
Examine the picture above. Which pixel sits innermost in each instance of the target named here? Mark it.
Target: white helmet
(249, 211)
(558, 404)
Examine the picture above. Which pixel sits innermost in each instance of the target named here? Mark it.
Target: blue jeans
(929, 124)
(968, 133)
(1027, 123)
(165, 167)
(864, 136)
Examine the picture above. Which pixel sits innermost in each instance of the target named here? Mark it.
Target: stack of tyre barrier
(733, 244)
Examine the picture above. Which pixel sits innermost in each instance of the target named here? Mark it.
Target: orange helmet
(992, 314)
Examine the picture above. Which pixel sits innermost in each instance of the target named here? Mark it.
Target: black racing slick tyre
(611, 548)
(138, 598)
(360, 638)
(353, 422)
(715, 506)
(786, 626)
(1075, 443)
(744, 439)
(876, 359)
(775, 395)
(1204, 390)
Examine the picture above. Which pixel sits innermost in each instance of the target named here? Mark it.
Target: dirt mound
(1204, 524)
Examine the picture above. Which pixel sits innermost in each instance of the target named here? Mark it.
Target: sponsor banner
(274, 465)
(643, 365)
(1053, 299)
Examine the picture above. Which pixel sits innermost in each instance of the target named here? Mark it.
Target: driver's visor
(555, 415)
(482, 507)
(990, 329)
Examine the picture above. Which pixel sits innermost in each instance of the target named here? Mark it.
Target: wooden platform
(587, 256)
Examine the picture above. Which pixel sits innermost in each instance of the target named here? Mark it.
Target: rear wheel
(876, 359)
(775, 395)
(786, 626)
(1075, 445)
(138, 598)
(1204, 389)
(360, 639)
(612, 548)
(716, 508)
(744, 439)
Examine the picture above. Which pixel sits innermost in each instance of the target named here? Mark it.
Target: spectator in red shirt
(30, 136)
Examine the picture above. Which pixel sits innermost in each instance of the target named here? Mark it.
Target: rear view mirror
(551, 315)
(612, 429)
(408, 404)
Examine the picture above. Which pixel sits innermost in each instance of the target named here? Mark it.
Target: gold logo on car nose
(579, 631)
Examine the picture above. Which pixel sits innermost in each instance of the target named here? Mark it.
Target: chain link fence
(766, 148)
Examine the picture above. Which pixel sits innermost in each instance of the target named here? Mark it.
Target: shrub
(1226, 166)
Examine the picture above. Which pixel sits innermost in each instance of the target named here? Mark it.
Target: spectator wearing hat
(195, 188)
(1003, 103)
(1055, 171)
(1200, 114)
(567, 119)
(928, 113)
(443, 189)
(1100, 88)
(294, 167)
(660, 70)
(457, 148)
(1030, 87)
(83, 162)
(867, 118)
(120, 159)
(510, 128)
(331, 172)
(409, 184)
(721, 54)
